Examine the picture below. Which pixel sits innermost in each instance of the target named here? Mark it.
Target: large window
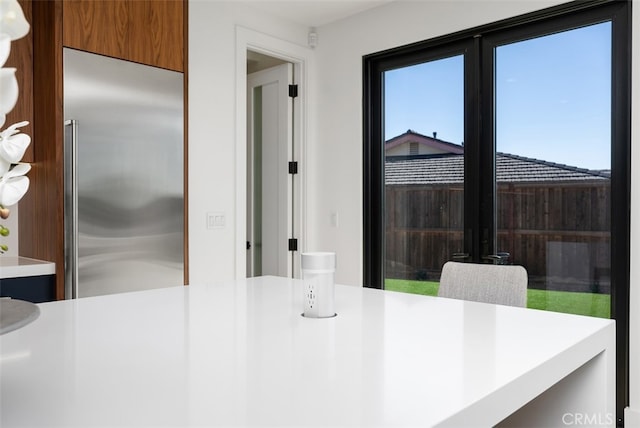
(507, 144)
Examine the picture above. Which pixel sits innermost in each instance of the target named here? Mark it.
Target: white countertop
(239, 353)
(16, 267)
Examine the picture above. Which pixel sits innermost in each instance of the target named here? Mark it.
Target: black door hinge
(293, 91)
(293, 244)
(293, 167)
(248, 245)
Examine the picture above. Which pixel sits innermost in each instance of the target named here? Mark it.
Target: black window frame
(478, 44)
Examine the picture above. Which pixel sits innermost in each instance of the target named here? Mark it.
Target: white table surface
(17, 267)
(240, 354)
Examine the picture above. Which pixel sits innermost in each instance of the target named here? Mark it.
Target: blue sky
(553, 97)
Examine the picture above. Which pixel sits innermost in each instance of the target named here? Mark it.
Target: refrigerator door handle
(71, 209)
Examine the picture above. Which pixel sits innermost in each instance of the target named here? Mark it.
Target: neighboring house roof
(413, 137)
(449, 169)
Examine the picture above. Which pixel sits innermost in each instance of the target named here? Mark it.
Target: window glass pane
(553, 162)
(424, 172)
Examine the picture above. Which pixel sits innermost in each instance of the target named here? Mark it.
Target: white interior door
(269, 184)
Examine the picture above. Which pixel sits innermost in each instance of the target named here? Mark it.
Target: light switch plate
(216, 220)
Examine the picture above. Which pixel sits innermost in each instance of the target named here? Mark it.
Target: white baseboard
(631, 418)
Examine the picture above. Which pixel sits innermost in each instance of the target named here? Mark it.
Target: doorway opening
(270, 166)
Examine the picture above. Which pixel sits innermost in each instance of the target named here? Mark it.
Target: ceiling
(315, 13)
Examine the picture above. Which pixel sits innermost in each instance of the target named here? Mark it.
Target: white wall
(212, 127)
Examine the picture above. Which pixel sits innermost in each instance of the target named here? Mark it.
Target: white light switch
(216, 220)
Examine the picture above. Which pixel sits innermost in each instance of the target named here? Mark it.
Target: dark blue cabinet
(36, 289)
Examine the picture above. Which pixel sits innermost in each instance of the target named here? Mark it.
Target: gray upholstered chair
(488, 283)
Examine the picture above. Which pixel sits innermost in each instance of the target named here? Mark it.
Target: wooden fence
(559, 231)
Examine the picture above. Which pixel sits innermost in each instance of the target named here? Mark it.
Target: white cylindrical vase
(318, 275)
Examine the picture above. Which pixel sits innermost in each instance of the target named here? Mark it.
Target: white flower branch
(13, 182)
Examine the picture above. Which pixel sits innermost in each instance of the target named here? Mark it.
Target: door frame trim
(301, 58)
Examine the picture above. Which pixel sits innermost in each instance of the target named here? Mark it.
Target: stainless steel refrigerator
(124, 203)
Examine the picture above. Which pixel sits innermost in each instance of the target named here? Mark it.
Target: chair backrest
(488, 283)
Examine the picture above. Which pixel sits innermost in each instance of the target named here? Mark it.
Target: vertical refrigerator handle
(71, 209)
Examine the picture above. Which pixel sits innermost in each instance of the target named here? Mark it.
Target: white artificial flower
(5, 48)
(12, 20)
(8, 89)
(13, 144)
(4, 167)
(13, 185)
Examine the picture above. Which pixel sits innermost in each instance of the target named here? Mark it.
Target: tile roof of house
(414, 137)
(447, 169)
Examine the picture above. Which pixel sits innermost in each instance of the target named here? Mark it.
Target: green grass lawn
(596, 305)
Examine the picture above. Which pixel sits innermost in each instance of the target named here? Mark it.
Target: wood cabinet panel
(41, 221)
(145, 31)
(96, 26)
(160, 32)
